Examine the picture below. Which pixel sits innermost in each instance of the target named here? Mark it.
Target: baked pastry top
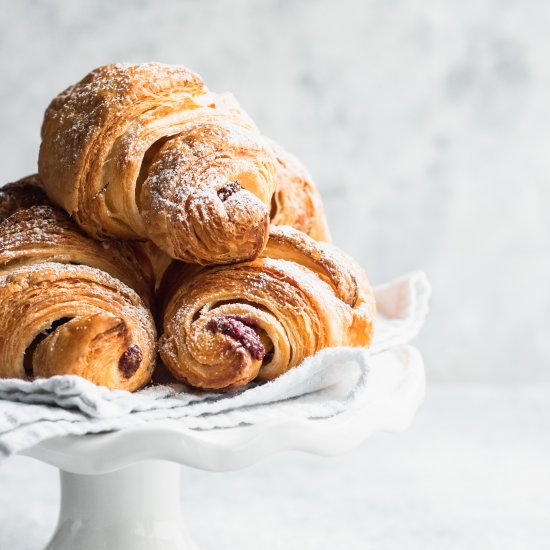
(146, 151)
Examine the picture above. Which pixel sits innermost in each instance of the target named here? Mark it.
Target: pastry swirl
(68, 304)
(146, 151)
(228, 325)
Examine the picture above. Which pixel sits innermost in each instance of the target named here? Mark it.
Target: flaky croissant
(225, 326)
(296, 201)
(68, 304)
(146, 151)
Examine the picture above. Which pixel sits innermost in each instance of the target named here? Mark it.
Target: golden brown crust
(146, 151)
(68, 304)
(46, 234)
(74, 319)
(19, 194)
(296, 201)
(152, 260)
(221, 177)
(297, 298)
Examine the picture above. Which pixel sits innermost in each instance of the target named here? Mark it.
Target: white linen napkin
(322, 386)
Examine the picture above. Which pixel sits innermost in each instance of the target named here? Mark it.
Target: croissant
(228, 325)
(147, 152)
(68, 304)
(296, 201)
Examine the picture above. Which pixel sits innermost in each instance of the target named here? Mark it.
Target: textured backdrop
(425, 124)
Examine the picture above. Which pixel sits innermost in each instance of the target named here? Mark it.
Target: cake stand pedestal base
(134, 508)
(121, 490)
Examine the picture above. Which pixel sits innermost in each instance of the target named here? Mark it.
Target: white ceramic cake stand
(121, 490)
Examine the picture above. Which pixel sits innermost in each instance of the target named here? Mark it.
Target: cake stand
(121, 490)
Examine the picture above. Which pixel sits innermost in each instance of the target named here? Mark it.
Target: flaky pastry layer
(69, 304)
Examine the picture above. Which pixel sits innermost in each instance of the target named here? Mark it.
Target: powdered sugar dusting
(155, 131)
(107, 93)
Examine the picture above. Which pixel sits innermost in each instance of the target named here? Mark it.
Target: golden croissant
(146, 151)
(69, 304)
(228, 325)
(296, 201)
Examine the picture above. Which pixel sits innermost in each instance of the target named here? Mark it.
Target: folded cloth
(324, 385)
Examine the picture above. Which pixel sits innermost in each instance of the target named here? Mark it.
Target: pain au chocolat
(69, 304)
(148, 152)
(225, 326)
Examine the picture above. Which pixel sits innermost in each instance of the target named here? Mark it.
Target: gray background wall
(425, 123)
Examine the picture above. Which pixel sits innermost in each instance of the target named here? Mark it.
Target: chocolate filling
(29, 352)
(240, 328)
(130, 360)
(227, 190)
(274, 208)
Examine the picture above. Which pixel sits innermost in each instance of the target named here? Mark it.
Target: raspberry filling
(227, 190)
(240, 328)
(130, 360)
